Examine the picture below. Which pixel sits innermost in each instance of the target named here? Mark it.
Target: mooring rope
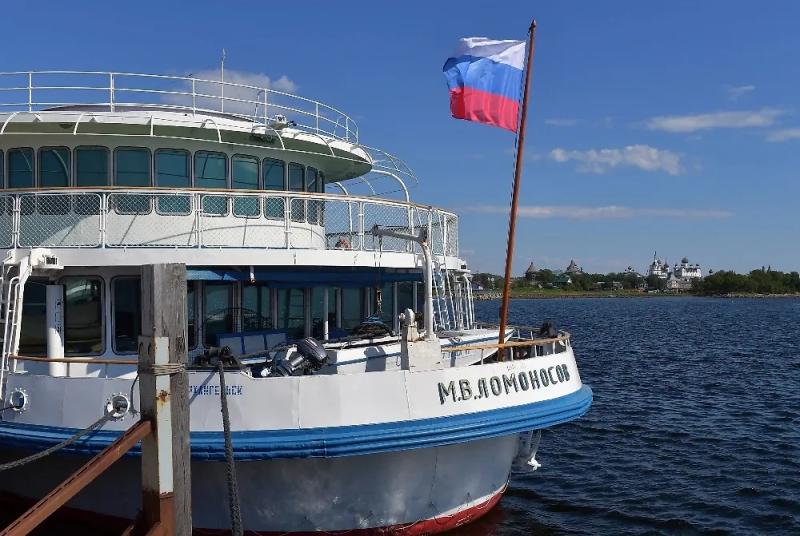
(230, 467)
(67, 442)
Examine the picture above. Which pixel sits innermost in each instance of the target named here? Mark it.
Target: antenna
(222, 81)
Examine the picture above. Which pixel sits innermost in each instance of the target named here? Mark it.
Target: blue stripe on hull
(334, 442)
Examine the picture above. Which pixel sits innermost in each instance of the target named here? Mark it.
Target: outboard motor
(305, 356)
(548, 330)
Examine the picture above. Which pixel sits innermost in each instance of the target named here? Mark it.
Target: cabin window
(2, 171)
(132, 166)
(191, 311)
(244, 176)
(126, 301)
(321, 182)
(20, 168)
(256, 307)
(83, 315)
(273, 171)
(297, 184)
(405, 296)
(211, 171)
(274, 179)
(352, 307)
(91, 166)
(53, 170)
(312, 185)
(217, 310)
(172, 171)
(33, 335)
(54, 166)
(319, 312)
(291, 312)
(386, 309)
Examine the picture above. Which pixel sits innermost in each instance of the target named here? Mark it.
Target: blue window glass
(172, 171)
(2, 171)
(210, 170)
(20, 168)
(291, 312)
(244, 176)
(91, 166)
(273, 174)
(132, 166)
(54, 167)
(126, 301)
(218, 310)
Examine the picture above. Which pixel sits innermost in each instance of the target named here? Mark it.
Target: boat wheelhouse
(257, 193)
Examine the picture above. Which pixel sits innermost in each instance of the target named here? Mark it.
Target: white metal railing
(32, 91)
(151, 217)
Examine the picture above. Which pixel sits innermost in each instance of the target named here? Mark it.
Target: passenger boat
(405, 422)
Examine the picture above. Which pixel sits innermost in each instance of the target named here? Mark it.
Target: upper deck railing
(31, 91)
(177, 219)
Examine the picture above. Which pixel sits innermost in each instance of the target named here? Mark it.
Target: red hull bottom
(104, 524)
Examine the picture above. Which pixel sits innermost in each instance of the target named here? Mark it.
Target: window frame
(285, 174)
(114, 167)
(113, 317)
(103, 335)
(7, 164)
(39, 165)
(109, 165)
(227, 179)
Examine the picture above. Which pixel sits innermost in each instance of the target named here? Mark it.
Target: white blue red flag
(485, 81)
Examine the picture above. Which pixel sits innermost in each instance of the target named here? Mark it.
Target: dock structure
(163, 428)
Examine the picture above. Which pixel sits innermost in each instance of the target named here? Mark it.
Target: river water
(694, 428)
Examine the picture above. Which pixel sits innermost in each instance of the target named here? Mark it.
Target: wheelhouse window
(297, 184)
(211, 171)
(291, 312)
(132, 167)
(2, 171)
(274, 178)
(273, 171)
(244, 176)
(312, 185)
(91, 166)
(20, 167)
(256, 307)
(217, 310)
(126, 301)
(172, 171)
(54, 166)
(83, 315)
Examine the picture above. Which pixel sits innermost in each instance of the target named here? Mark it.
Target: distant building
(684, 270)
(530, 273)
(658, 268)
(573, 268)
(630, 271)
(562, 279)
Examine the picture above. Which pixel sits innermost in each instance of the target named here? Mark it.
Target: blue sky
(672, 126)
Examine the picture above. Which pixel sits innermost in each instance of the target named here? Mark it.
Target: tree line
(761, 281)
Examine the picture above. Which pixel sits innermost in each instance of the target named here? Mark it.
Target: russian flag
(485, 81)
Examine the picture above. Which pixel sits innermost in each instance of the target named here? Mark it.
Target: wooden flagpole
(512, 224)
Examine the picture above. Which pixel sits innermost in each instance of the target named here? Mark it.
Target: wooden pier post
(166, 478)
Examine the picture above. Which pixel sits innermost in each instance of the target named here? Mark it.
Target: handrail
(564, 336)
(142, 217)
(75, 360)
(233, 99)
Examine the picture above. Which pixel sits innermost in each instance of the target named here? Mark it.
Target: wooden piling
(166, 478)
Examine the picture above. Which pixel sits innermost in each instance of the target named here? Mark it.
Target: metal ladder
(441, 307)
(13, 277)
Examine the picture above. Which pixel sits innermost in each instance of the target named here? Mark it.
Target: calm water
(695, 425)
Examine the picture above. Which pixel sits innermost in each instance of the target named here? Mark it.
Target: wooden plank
(164, 316)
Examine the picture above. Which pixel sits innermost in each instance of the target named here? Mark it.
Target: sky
(671, 127)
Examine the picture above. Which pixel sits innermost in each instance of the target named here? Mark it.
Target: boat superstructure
(295, 235)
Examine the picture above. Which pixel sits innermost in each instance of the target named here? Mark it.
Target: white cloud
(256, 80)
(735, 92)
(561, 122)
(730, 119)
(602, 212)
(643, 157)
(784, 135)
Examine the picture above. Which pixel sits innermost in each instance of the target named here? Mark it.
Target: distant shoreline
(597, 295)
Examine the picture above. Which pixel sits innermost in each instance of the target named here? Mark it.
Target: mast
(512, 223)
